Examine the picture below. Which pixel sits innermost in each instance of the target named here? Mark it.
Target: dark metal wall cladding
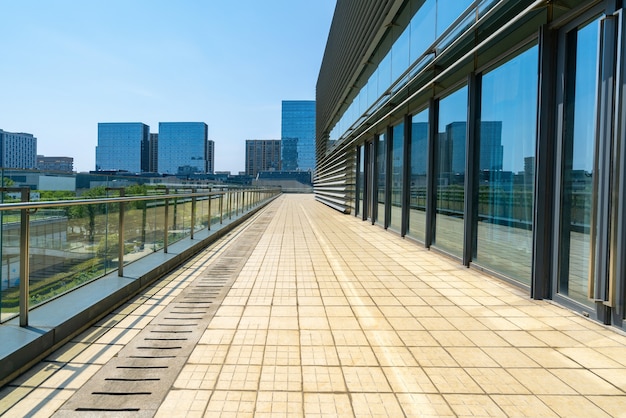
(354, 26)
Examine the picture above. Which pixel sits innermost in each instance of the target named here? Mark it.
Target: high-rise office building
(298, 135)
(18, 150)
(262, 155)
(210, 156)
(182, 147)
(515, 155)
(123, 146)
(63, 164)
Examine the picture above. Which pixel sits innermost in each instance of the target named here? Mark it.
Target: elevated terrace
(303, 311)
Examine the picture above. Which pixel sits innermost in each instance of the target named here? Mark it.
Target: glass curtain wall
(450, 172)
(579, 127)
(397, 171)
(506, 171)
(381, 174)
(416, 226)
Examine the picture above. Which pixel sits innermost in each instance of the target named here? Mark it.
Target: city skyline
(179, 62)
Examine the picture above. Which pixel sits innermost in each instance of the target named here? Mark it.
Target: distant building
(182, 147)
(123, 146)
(210, 156)
(262, 155)
(62, 164)
(298, 135)
(153, 164)
(18, 150)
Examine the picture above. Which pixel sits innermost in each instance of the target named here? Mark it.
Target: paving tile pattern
(333, 317)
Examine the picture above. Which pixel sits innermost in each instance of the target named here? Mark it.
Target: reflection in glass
(507, 167)
(448, 11)
(397, 168)
(450, 172)
(578, 153)
(419, 165)
(381, 169)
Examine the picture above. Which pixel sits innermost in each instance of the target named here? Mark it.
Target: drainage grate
(138, 378)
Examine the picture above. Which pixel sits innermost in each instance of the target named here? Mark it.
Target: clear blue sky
(69, 64)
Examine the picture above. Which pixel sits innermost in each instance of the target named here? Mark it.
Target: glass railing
(61, 245)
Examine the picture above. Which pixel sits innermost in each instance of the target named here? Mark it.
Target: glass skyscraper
(298, 135)
(123, 146)
(183, 147)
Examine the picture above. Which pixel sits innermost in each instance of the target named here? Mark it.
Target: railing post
(193, 212)
(221, 208)
(120, 242)
(209, 225)
(230, 205)
(166, 225)
(24, 261)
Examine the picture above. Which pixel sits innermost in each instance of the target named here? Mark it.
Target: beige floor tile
(433, 357)
(365, 379)
(97, 354)
(316, 337)
(588, 357)
(471, 357)
(409, 380)
(71, 376)
(281, 378)
(614, 406)
(394, 356)
(119, 335)
(327, 405)
(283, 337)
(323, 379)
(230, 403)
(418, 405)
(249, 337)
(616, 377)
(349, 337)
(452, 380)
(217, 337)
(208, 354)
(276, 404)
(356, 355)
(549, 358)
(496, 381)
(188, 403)
(282, 355)
(509, 357)
(452, 339)
(417, 338)
(198, 376)
(541, 382)
(573, 406)
(586, 382)
(474, 406)
(40, 403)
(523, 406)
(238, 377)
(245, 354)
(318, 355)
(376, 405)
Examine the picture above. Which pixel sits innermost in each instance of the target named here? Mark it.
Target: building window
(381, 174)
(506, 171)
(419, 174)
(397, 171)
(450, 172)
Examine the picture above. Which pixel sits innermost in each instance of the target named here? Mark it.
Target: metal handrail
(27, 208)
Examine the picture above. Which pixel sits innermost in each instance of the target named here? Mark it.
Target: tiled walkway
(333, 317)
